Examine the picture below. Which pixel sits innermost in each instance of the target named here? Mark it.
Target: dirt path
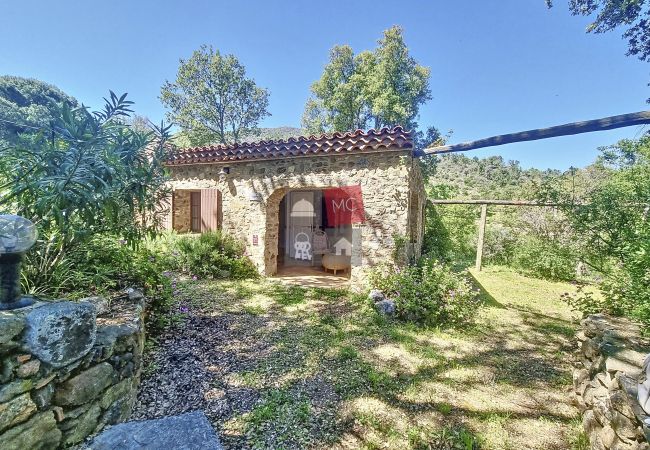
(277, 367)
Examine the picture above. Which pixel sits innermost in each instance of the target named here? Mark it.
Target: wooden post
(481, 237)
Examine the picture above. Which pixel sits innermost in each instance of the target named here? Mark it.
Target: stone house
(342, 201)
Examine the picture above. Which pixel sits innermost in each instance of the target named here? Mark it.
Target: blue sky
(496, 66)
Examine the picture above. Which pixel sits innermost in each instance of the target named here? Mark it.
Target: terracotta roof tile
(325, 144)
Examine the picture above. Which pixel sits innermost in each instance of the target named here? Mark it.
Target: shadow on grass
(283, 379)
(488, 299)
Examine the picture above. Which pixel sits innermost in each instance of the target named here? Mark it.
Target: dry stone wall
(252, 191)
(607, 369)
(68, 369)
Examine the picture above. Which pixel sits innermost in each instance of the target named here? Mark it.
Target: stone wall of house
(182, 219)
(607, 370)
(251, 194)
(68, 369)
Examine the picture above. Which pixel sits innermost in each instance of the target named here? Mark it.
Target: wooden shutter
(210, 210)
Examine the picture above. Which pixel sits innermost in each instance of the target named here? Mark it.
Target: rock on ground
(189, 431)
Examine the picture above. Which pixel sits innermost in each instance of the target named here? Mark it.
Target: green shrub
(500, 244)
(437, 242)
(544, 259)
(213, 255)
(625, 290)
(106, 263)
(587, 302)
(428, 294)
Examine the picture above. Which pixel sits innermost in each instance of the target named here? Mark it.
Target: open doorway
(309, 239)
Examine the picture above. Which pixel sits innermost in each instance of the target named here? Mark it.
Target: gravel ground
(187, 368)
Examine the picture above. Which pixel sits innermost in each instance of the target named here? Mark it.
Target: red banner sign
(344, 205)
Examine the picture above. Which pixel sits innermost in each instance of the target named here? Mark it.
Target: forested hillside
(536, 240)
(261, 134)
(488, 178)
(272, 134)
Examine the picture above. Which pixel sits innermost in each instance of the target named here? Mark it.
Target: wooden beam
(494, 202)
(481, 237)
(606, 123)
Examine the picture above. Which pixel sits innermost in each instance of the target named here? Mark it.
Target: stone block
(618, 401)
(42, 397)
(579, 377)
(118, 411)
(9, 391)
(16, 411)
(101, 304)
(43, 381)
(59, 415)
(76, 430)
(61, 332)
(85, 386)
(620, 445)
(28, 369)
(189, 431)
(607, 436)
(590, 349)
(118, 338)
(7, 366)
(71, 413)
(614, 365)
(39, 432)
(601, 411)
(10, 326)
(120, 390)
(590, 424)
(624, 427)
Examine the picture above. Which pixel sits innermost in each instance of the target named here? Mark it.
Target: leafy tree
(340, 101)
(85, 174)
(385, 87)
(213, 100)
(398, 85)
(26, 104)
(424, 139)
(615, 223)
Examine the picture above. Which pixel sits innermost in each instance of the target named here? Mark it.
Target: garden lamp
(17, 235)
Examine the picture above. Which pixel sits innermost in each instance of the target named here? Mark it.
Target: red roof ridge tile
(327, 143)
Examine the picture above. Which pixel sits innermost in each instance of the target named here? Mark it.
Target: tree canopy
(26, 104)
(383, 87)
(212, 99)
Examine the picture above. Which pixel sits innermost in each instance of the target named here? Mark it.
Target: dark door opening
(195, 212)
(306, 241)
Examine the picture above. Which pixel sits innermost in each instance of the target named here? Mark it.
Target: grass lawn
(285, 367)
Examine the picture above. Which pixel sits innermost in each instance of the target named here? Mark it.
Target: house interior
(307, 240)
